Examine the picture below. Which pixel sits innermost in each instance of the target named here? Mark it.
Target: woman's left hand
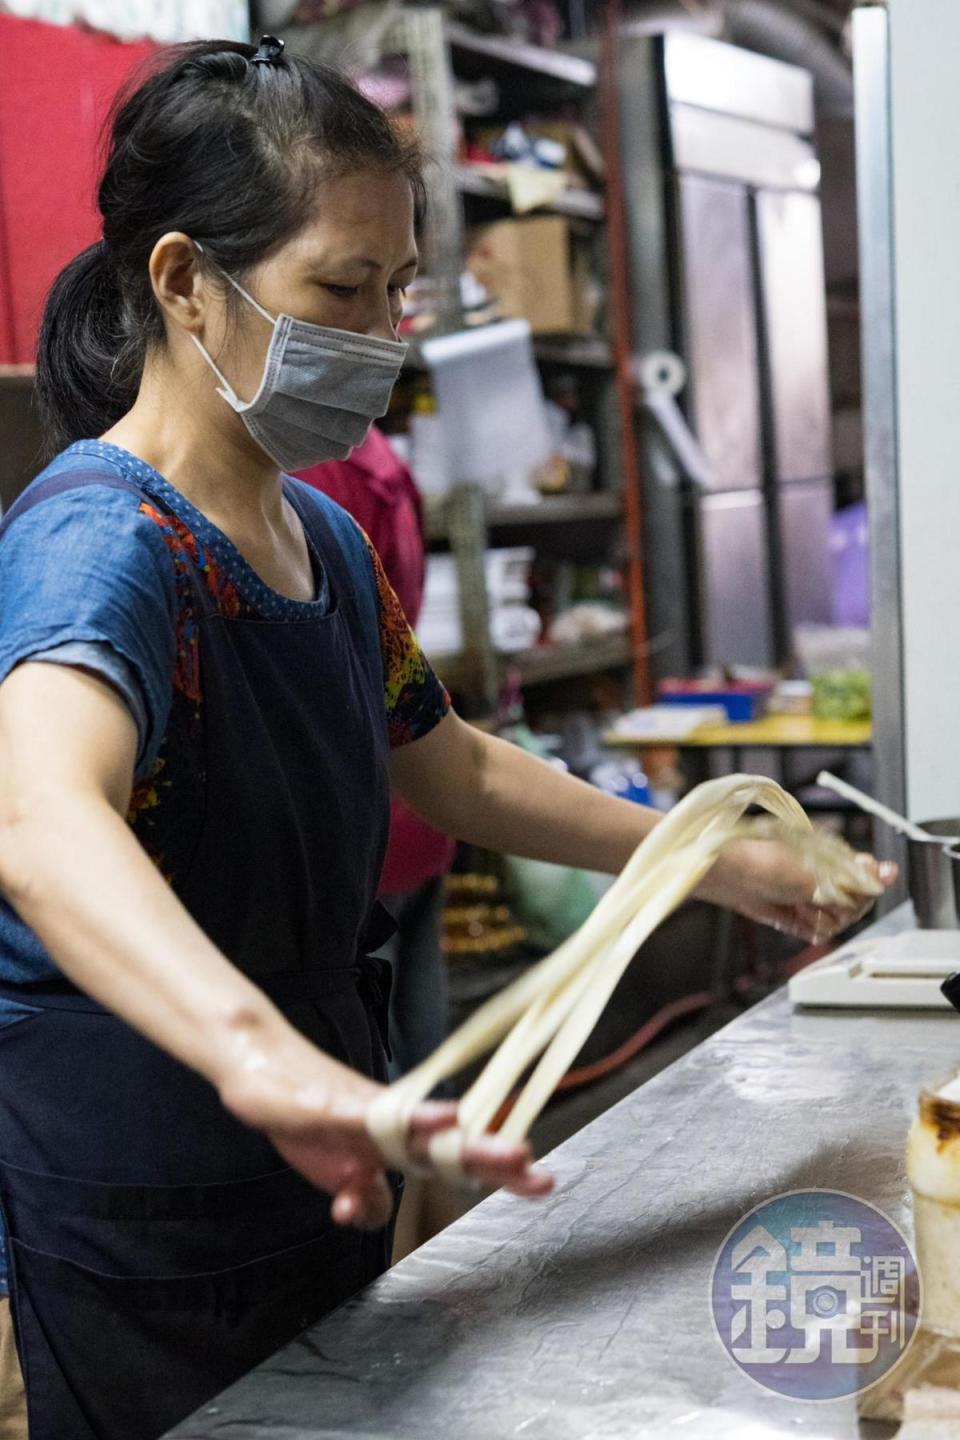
(766, 881)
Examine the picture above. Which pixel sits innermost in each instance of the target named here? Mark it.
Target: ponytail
(88, 366)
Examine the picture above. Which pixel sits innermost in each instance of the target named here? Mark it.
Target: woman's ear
(178, 285)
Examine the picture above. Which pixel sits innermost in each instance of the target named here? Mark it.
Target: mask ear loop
(227, 391)
(237, 286)
(225, 388)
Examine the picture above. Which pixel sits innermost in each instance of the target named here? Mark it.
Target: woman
(204, 676)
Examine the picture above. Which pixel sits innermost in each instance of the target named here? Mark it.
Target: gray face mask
(321, 389)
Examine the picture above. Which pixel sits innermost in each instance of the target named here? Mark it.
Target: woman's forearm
(488, 792)
(494, 794)
(526, 807)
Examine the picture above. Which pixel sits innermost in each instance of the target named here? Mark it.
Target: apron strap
(58, 484)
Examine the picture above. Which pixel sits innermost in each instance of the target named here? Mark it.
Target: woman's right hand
(313, 1110)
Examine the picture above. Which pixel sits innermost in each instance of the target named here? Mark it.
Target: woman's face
(346, 268)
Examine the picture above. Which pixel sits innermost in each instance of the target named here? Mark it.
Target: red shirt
(378, 490)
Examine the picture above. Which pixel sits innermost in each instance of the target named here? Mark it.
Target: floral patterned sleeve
(415, 699)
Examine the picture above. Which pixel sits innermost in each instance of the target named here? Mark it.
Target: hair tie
(269, 51)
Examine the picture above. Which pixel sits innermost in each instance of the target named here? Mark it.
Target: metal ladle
(932, 859)
(873, 807)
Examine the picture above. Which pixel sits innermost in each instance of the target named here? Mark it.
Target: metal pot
(934, 875)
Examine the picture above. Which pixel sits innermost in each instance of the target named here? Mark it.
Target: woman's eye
(399, 292)
(343, 292)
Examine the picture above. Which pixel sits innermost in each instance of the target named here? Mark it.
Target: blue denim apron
(158, 1248)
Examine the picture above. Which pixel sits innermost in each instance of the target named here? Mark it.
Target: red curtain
(58, 83)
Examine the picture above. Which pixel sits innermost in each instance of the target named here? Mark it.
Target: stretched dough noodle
(552, 1008)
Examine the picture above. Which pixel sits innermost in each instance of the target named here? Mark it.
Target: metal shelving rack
(558, 510)
(530, 78)
(577, 205)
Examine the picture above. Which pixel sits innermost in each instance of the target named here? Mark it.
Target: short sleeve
(103, 661)
(86, 566)
(415, 699)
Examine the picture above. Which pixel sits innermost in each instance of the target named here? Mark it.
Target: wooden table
(772, 732)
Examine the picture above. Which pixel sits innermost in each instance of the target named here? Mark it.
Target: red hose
(608, 1064)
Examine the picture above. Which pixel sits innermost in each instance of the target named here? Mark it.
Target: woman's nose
(384, 323)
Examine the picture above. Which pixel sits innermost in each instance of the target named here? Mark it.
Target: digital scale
(899, 972)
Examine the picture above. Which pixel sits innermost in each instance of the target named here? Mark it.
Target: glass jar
(933, 1169)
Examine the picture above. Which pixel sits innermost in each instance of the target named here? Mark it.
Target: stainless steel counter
(586, 1317)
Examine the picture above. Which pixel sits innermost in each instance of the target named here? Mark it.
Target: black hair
(223, 149)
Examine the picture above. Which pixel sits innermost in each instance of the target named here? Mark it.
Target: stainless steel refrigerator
(727, 269)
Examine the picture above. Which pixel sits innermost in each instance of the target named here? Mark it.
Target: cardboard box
(537, 272)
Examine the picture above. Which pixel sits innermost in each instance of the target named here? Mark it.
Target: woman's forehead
(368, 216)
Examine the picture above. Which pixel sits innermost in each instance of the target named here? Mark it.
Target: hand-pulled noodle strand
(550, 1011)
